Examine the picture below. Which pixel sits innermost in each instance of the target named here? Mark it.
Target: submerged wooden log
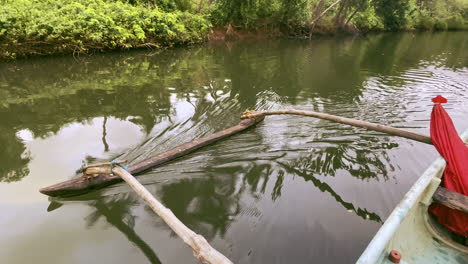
(83, 185)
(202, 250)
(346, 121)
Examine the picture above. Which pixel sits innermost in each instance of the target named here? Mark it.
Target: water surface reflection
(290, 190)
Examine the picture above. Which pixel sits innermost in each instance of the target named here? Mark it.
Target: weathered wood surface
(202, 250)
(82, 185)
(348, 121)
(451, 199)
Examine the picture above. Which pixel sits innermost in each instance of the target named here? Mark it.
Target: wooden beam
(83, 185)
(451, 199)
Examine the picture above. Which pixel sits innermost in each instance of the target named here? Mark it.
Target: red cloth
(452, 148)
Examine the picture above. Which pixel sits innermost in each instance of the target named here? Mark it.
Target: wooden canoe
(412, 232)
(81, 185)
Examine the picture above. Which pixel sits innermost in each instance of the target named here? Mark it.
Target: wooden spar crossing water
(346, 121)
(82, 185)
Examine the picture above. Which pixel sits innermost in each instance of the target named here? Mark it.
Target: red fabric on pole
(452, 148)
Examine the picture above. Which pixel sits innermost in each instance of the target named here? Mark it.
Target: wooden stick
(202, 250)
(347, 121)
(82, 185)
(451, 199)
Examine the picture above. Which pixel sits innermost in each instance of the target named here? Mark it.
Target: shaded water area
(290, 190)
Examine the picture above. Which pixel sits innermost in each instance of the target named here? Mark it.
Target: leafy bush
(368, 21)
(393, 13)
(440, 24)
(457, 22)
(424, 22)
(51, 26)
(441, 15)
(166, 5)
(247, 14)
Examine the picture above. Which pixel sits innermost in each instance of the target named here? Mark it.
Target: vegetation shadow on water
(312, 183)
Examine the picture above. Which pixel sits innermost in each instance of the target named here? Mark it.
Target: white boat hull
(411, 231)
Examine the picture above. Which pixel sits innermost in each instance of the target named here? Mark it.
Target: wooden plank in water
(451, 199)
(82, 185)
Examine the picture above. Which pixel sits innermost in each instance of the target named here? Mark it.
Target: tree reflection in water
(14, 157)
(209, 204)
(364, 163)
(117, 211)
(206, 205)
(324, 187)
(216, 85)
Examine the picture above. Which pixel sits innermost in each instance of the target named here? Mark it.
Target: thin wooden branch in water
(82, 185)
(202, 250)
(347, 121)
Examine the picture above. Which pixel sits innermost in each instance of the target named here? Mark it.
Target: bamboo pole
(202, 250)
(347, 121)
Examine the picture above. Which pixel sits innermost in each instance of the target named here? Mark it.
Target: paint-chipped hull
(412, 232)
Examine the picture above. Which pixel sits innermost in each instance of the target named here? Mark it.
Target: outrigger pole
(202, 250)
(346, 121)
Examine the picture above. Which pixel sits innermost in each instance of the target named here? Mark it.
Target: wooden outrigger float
(83, 185)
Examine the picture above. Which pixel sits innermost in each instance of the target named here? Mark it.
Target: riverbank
(45, 27)
(55, 27)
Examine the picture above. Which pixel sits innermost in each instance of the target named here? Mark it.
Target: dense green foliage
(393, 13)
(333, 15)
(51, 26)
(62, 26)
(440, 15)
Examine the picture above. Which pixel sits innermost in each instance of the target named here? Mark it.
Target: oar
(202, 250)
(344, 120)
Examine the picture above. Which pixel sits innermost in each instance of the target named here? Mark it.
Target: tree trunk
(312, 23)
(200, 6)
(351, 16)
(338, 17)
(326, 10)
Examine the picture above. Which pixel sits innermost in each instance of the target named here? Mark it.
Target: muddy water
(290, 190)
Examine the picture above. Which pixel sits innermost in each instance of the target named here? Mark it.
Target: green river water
(290, 190)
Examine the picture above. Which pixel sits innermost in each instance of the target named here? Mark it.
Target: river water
(290, 190)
